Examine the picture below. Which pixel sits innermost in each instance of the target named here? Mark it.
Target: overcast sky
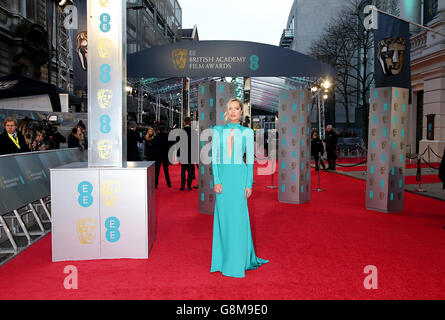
(249, 20)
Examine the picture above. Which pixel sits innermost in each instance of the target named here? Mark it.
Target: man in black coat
(188, 166)
(11, 140)
(317, 150)
(162, 146)
(133, 138)
(331, 147)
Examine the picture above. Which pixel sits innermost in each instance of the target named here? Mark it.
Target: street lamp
(320, 90)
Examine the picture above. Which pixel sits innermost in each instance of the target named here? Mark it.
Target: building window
(429, 10)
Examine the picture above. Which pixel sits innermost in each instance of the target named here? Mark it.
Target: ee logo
(105, 22)
(105, 124)
(105, 70)
(254, 62)
(85, 198)
(112, 225)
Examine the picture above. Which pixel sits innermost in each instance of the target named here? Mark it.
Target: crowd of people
(29, 135)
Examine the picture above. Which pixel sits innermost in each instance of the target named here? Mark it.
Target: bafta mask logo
(383, 144)
(294, 95)
(105, 47)
(373, 132)
(179, 58)
(86, 230)
(372, 156)
(294, 119)
(294, 142)
(391, 55)
(381, 195)
(374, 107)
(401, 145)
(385, 119)
(371, 182)
(403, 120)
(104, 98)
(283, 153)
(232, 90)
(202, 103)
(293, 189)
(211, 116)
(105, 149)
(110, 191)
(283, 130)
(395, 132)
(283, 107)
(382, 170)
(293, 165)
(283, 176)
(221, 102)
(396, 106)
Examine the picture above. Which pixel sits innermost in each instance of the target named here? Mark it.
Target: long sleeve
(249, 157)
(215, 155)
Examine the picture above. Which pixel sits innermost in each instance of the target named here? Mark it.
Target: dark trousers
(318, 160)
(190, 169)
(332, 156)
(165, 164)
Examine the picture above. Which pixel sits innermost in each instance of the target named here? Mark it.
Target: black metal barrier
(25, 189)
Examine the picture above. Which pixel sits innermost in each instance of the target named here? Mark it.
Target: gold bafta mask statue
(383, 145)
(211, 171)
(381, 195)
(294, 142)
(371, 182)
(374, 107)
(385, 93)
(401, 145)
(382, 170)
(201, 183)
(232, 90)
(396, 106)
(373, 132)
(212, 198)
(104, 98)
(293, 189)
(294, 119)
(395, 132)
(202, 102)
(105, 149)
(385, 119)
(179, 58)
(283, 153)
(393, 158)
(283, 130)
(212, 87)
(86, 229)
(105, 47)
(372, 156)
(221, 102)
(283, 107)
(110, 192)
(294, 95)
(399, 196)
(403, 120)
(211, 116)
(283, 176)
(293, 165)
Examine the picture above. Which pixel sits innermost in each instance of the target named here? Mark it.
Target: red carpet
(317, 251)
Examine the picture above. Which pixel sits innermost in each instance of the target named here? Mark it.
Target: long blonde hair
(240, 103)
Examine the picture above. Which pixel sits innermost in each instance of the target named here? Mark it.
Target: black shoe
(169, 185)
(189, 188)
(181, 189)
(196, 187)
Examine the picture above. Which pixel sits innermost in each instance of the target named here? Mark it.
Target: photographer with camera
(38, 144)
(76, 138)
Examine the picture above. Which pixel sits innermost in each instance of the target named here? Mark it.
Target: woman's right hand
(217, 188)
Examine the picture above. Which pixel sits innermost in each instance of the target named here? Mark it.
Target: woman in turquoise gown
(232, 249)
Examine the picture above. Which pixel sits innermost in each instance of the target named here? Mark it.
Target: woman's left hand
(248, 193)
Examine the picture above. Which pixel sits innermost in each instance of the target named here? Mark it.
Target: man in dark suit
(188, 166)
(331, 147)
(11, 140)
(442, 170)
(133, 138)
(162, 146)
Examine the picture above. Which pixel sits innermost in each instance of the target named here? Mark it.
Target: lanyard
(16, 140)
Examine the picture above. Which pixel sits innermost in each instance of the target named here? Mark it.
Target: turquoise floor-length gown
(233, 251)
